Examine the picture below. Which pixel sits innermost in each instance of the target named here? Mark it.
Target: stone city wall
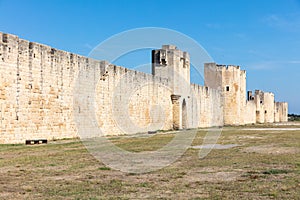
(47, 93)
(38, 84)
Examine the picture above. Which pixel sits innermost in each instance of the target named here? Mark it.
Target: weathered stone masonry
(43, 90)
(237, 110)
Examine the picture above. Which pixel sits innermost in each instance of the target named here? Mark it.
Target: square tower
(174, 65)
(230, 80)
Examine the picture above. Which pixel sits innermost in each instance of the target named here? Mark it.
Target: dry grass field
(265, 165)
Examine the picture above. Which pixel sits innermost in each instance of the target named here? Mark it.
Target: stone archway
(184, 115)
(176, 111)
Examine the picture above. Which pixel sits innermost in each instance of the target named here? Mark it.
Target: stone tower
(173, 64)
(265, 107)
(231, 81)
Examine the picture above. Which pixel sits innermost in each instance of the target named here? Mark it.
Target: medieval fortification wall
(52, 94)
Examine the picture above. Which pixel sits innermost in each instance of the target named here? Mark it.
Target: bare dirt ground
(272, 149)
(272, 129)
(264, 165)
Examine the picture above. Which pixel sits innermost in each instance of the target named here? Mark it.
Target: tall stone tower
(231, 81)
(174, 65)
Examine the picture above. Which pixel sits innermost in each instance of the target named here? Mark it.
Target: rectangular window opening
(227, 88)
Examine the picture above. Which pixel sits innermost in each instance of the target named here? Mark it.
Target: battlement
(172, 50)
(260, 92)
(6, 38)
(169, 47)
(203, 89)
(223, 68)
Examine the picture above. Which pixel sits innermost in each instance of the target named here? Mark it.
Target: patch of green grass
(276, 171)
(145, 184)
(104, 168)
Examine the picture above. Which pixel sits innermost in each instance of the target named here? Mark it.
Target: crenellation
(169, 47)
(1, 38)
(5, 38)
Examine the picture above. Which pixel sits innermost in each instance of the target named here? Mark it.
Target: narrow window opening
(206, 89)
(5, 38)
(30, 45)
(227, 88)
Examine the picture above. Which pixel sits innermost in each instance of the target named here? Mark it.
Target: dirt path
(271, 129)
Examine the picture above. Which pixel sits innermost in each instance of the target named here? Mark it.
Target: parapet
(168, 47)
(5, 38)
(250, 96)
(260, 92)
(162, 57)
(220, 67)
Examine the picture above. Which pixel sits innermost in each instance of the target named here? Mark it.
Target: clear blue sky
(262, 36)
